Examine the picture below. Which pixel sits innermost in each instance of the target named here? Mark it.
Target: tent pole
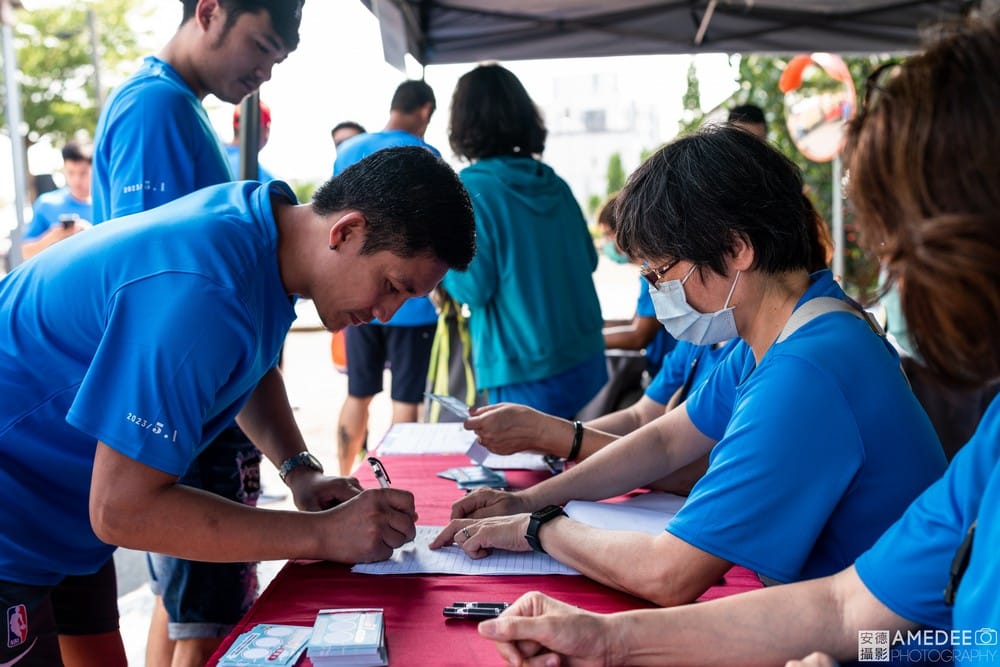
(839, 248)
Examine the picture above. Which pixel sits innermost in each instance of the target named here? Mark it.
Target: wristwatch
(539, 519)
(301, 459)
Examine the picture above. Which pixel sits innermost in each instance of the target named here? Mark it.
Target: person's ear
(743, 255)
(348, 227)
(205, 12)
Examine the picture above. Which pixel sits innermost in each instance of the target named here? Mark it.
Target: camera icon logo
(986, 637)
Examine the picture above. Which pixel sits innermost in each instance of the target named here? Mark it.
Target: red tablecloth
(417, 633)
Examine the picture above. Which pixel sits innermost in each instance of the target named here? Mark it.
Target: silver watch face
(301, 459)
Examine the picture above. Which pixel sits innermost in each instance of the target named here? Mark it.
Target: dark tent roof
(453, 31)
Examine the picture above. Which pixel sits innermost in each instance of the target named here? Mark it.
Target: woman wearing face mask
(817, 443)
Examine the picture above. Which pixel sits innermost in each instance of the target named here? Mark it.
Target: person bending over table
(125, 350)
(922, 157)
(817, 443)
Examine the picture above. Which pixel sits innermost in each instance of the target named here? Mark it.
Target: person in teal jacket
(535, 317)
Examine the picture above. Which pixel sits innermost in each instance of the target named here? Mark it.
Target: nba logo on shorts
(17, 625)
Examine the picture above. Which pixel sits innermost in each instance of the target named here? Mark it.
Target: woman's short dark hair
(412, 201)
(696, 197)
(492, 114)
(924, 169)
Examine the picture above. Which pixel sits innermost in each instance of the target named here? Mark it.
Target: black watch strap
(539, 519)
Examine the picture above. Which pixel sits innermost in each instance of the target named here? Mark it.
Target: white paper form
(417, 558)
(415, 438)
(647, 513)
(451, 438)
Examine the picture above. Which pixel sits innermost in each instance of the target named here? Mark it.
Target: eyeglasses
(874, 85)
(654, 276)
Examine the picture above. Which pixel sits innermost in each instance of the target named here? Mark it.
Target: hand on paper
(478, 537)
(313, 491)
(482, 503)
(537, 629)
(367, 527)
(508, 428)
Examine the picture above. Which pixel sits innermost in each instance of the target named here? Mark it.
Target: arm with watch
(671, 571)
(268, 421)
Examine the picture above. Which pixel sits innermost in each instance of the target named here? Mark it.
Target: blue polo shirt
(908, 568)
(136, 169)
(663, 344)
(147, 333)
(821, 447)
(680, 363)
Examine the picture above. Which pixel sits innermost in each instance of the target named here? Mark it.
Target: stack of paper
(348, 638)
(267, 645)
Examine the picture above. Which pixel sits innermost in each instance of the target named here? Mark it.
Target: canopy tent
(456, 31)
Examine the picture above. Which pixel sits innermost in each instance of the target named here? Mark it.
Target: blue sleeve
(644, 305)
(795, 442)
(908, 568)
(169, 348)
(157, 152)
(710, 406)
(477, 284)
(41, 220)
(673, 373)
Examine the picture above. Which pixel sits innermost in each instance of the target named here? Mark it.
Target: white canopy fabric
(454, 31)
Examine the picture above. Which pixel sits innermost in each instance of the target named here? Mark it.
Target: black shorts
(35, 616)
(407, 350)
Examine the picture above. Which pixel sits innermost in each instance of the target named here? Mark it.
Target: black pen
(380, 473)
(487, 610)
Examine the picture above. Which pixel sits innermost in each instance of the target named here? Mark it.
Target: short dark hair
(75, 152)
(747, 113)
(697, 196)
(348, 125)
(413, 202)
(286, 15)
(492, 114)
(411, 95)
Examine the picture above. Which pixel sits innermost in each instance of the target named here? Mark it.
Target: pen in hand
(380, 474)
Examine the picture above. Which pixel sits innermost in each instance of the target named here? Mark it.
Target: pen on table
(380, 473)
(474, 612)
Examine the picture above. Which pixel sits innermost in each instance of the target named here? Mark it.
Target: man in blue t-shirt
(233, 147)
(63, 212)
(154, 144)
(125, 351)
(405, 343)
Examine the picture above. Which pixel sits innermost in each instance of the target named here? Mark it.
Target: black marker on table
(380, 473)
(475, 609)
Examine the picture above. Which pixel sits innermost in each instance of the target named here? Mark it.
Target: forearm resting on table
(764, 627)
(669, 572)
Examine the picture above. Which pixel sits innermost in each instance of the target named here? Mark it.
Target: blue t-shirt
(50, 205)
(820, 448)
(147, 333)
(419, 311)
(154, 144)
(677, 366)
(233, 156)
(663, 343)
(908, 568)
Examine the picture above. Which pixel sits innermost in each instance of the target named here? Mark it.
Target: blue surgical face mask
(683, 322)
(611, 251)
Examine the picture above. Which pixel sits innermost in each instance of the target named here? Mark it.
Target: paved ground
(317, 391)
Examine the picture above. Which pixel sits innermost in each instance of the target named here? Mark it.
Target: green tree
(56, 68)
(758, 76)
(616, 173)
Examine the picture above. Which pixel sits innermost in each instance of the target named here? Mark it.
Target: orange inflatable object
(338, 351)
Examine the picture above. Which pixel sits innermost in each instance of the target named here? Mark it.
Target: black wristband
(574, 451)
